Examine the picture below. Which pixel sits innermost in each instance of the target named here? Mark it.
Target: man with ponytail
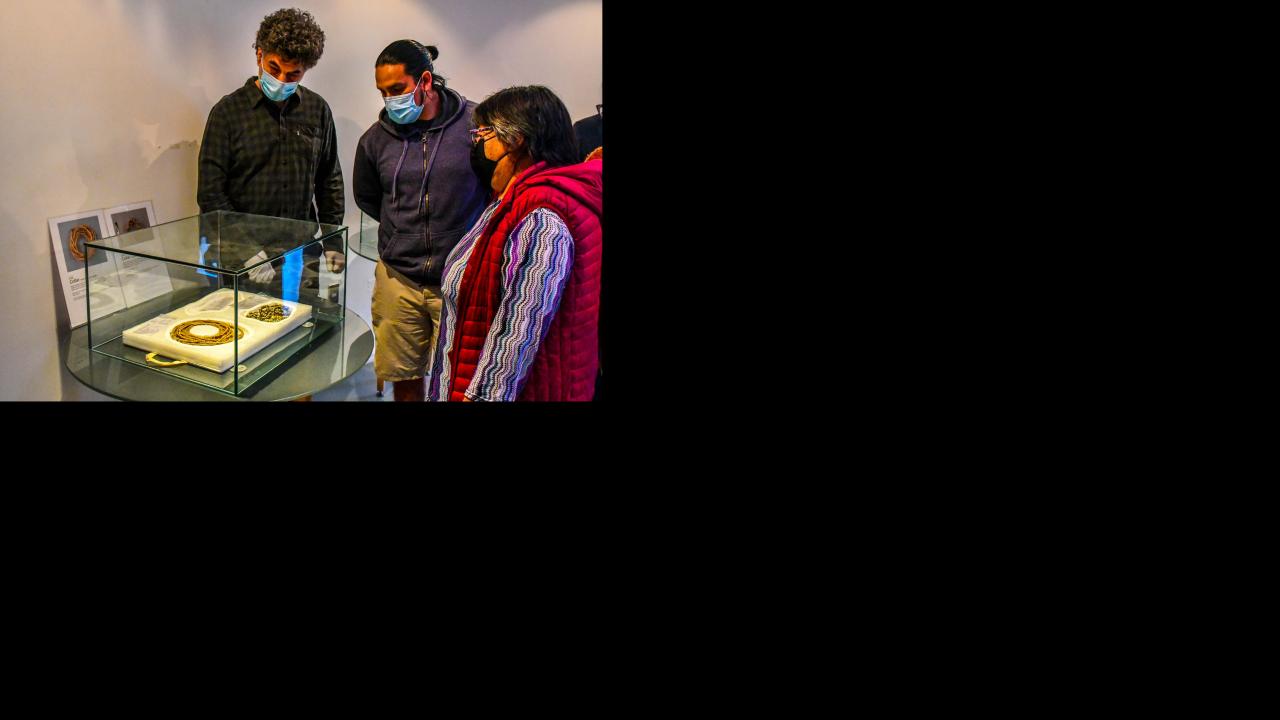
(413, 175)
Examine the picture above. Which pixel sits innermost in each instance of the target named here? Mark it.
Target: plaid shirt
(259, 158)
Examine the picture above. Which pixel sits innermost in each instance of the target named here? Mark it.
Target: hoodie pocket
(407, 247)
(442, 243)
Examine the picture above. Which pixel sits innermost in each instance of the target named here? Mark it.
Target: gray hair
(511, 130)
(534, 114)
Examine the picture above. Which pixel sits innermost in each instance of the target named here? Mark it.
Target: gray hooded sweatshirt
(416, 181)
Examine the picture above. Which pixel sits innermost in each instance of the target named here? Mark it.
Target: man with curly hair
(270, 148)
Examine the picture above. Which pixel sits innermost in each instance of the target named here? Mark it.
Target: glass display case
(225, 300)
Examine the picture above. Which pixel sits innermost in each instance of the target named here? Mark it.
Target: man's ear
(424, 84)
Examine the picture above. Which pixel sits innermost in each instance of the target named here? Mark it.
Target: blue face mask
(274, 89)
(402, 109)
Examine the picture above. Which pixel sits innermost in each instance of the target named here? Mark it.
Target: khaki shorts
(406, 322)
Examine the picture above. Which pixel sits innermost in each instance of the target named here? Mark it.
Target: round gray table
(344, 350)
(364, 241)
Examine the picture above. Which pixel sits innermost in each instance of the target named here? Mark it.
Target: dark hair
(293, 34)
(534, 113)
(415, 57)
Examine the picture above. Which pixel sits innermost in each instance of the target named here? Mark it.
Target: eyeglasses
(476, 134)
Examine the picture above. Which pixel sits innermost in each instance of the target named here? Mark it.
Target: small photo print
(130, 220)
(75, 233)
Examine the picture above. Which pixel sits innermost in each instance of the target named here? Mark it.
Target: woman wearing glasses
(413, 175)
(522, 289)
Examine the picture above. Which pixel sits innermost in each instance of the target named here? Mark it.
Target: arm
(535, 267)
(330, 200)
(366, 185)
(214, 165)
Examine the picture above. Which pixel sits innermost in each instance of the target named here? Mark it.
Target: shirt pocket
(310, 143)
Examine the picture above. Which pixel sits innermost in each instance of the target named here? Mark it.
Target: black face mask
(482, 166)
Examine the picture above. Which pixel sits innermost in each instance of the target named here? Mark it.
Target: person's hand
(467, 399)
(336, 260)
(262, 273)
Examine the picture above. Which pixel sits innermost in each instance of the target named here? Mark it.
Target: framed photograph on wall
(140, 279)
(69, 235)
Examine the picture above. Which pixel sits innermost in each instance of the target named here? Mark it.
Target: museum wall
(104, 103)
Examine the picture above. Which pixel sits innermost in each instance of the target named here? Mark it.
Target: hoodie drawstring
(396, 176)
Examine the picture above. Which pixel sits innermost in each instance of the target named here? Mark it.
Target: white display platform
(153, 335)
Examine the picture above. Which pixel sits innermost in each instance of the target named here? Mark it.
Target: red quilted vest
(565, 366)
